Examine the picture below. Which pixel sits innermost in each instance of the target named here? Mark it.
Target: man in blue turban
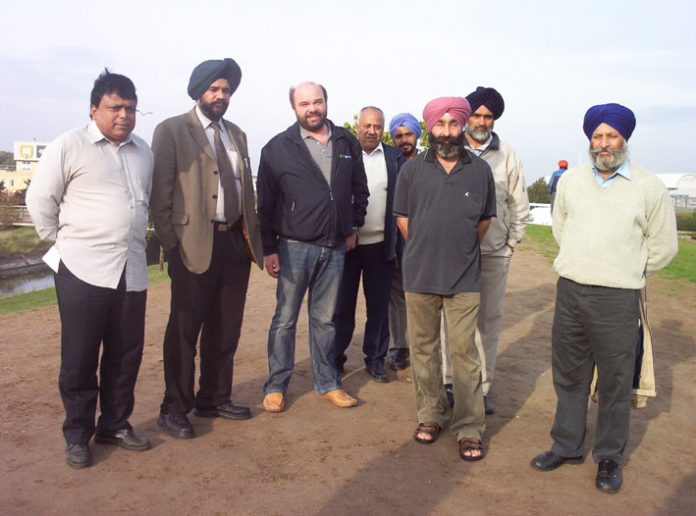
(614, 223)
(405, 131)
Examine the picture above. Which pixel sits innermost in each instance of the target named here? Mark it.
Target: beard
(312, 126)
(609, 163)
(214, 110)
(480, 133)
(447, 147)
(407, 148)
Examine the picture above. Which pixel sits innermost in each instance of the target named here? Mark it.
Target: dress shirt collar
(95, 135)
(481, 148)
(375, 152)
(624, 171)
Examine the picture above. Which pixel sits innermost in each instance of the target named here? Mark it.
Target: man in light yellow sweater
(614, 223)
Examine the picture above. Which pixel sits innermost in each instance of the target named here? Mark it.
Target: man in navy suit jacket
(374, 256)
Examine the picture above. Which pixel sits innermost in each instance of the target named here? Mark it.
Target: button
(214, 196)
(215, 172)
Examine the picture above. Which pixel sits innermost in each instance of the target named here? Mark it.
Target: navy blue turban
(210, 71)
(615, 115)
(406, 120)
(488, 97)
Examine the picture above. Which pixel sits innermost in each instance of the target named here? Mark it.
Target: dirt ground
(317, 459)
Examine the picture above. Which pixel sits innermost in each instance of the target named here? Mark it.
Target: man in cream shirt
(90, 194)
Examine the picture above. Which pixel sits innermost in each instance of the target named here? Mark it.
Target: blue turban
(210, 71)
(615, 115)
(406, 120)
(488, 97)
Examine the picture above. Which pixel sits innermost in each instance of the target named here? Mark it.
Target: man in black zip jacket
(313, 195)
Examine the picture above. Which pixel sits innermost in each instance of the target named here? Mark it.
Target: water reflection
(22, 284)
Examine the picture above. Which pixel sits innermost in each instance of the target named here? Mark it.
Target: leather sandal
(469, 444)
(429, 428)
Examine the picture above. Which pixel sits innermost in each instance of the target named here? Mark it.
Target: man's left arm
(46, 191)
(661, 231)
(489, 208)
(517, 200)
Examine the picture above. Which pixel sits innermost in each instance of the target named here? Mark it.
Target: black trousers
(212, 305)
(92, 318)
(593, 325)
(367, 261)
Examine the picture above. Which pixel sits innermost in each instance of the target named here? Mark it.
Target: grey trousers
(591, 325)
(397, 310)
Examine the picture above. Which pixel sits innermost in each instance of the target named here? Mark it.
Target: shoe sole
(215, 413)
(339, 404)
(119, 442)
(578, 460)
(175, 436)
(78, 465)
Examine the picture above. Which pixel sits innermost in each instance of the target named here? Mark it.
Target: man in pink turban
(444, 202)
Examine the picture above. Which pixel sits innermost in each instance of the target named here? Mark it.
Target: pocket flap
(180, 218)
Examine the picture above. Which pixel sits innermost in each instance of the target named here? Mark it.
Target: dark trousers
(94, 318)
(368, 261)
(212, 305)
(593, 325)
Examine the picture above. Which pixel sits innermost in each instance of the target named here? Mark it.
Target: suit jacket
(394, 160)
(185, 187)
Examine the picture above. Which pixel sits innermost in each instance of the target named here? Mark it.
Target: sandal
(429, 428)
(470, 444)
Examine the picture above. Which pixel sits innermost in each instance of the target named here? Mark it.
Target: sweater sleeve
(558, 215)
(661, 232)
(517, 200)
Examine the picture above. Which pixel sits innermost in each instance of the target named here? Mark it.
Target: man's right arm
(558, 214)
(266, 190)
(46, 191)
(163, 181)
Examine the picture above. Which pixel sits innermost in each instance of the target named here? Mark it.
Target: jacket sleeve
(163, 181)
(517, 200)
(661, 233)
(558, 215)
(267, 191)
(359, 189)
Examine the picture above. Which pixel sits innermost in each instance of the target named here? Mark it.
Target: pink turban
(457, 107)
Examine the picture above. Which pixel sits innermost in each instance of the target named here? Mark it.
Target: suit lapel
(198, 134)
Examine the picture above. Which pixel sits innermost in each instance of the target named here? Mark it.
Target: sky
(550, 60)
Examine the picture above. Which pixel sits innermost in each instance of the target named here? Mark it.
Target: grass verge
(46, 297)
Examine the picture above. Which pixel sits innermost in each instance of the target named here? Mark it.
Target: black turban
(210, 71)
(488, 97)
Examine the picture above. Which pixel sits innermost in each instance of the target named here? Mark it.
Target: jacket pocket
(180, 219)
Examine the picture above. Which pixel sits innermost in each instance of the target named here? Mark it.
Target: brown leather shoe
(274, 402)
(340, 398)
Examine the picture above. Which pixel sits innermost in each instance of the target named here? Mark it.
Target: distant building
(26, 155)
(682, 189)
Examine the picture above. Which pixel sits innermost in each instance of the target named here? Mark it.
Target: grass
(40, 298)
(540, 239)
(21, 240)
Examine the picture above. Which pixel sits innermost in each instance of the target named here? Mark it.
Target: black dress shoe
(125, 438)
(549, 461)
(399, 359)
(488, 405)
(176, 424)
(228, 410)
(77, 456)
(450, 394)
(376, 371)
(608, 476)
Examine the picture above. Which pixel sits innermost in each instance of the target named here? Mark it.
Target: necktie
(229, 182)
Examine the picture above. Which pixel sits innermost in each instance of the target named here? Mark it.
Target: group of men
(432, 248)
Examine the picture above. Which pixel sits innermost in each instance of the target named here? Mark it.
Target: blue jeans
(305, 266)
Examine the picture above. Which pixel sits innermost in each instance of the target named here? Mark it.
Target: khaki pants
(467, 419)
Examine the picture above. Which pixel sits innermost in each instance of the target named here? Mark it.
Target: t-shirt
(442, 253)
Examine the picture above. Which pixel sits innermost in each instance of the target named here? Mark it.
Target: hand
(272, 265)
(351, 242)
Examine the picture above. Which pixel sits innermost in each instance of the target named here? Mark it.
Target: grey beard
(613, 162)
(479, 135)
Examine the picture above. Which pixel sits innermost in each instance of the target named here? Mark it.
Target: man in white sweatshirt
(614, 223)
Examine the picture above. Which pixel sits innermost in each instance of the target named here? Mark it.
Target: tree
(539, 191)
(7, 160)
(386, 137)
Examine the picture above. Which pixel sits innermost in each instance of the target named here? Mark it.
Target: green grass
(21, 240)
(540, 239)
(46, 297)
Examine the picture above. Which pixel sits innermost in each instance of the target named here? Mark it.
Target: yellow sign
(28, 151)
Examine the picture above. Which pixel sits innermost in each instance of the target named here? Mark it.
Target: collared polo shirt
(442, 253)
(321, 154)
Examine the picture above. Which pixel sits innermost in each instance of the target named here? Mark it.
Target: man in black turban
(505, 232)
(204, 215)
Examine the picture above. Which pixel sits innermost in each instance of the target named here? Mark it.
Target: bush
(686, 220)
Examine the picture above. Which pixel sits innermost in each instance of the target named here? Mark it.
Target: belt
(223, 227)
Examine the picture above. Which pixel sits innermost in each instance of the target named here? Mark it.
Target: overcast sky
(550, 60)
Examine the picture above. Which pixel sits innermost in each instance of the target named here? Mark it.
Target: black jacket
(296, 202)
(394, 159)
